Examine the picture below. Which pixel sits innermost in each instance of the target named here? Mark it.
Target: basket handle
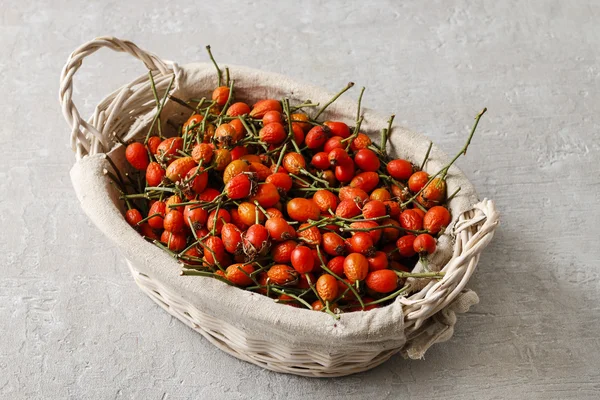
(430, 314)
(474, 230)
(87, 137)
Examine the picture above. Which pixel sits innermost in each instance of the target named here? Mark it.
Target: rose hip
(159, 208)
(417, 181)
(333, 244)
(382, 281)
(344, 171)
(356, 267)
(282, 181)
(238, 187)
(282, 275)
(300, 209)
(281, 252)
(336, 265)
(302, 259)
(405, 246)
(174, 241)
(325, 200)
(334, 142)
(168, 148)
(137, 156)
(366, 181)
(273, 133)
(279, 229)
(317, 137)
(362, 243)
(411, 219)
(262, 107)
(266, 195)
(220, 95)
(367, 160)
(374, 209)
(266, 198)
(154, 174)
(327, 287)
(378, 261)
(239, 274)
(232, 238)
(400, 169)
(255, 241)
(174, 221)
(293, 162)
(338, 128)
(424, 244)
(133, 217)
(436, 219)
(179, 168)
(309, 234)
(238, 108)
(195, 215)
(320, 160)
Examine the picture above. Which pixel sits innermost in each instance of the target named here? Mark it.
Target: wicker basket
(410, 325)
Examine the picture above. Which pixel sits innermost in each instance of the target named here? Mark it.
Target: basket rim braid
(283, 339)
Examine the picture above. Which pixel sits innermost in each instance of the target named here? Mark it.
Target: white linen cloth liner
(255, 314)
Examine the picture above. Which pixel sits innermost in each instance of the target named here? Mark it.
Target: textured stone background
(74, 324)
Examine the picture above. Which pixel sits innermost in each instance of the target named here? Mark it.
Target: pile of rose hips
(266, 198)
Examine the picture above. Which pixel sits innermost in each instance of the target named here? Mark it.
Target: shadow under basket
(247, 325)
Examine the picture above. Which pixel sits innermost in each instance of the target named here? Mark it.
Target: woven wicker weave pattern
(116, 113)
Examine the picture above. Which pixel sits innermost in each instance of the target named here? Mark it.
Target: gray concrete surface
(74, 325)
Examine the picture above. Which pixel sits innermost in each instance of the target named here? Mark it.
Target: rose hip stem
(348, 229)
(334, 98)
(426, 156)
(147, 218)
(204, 273)
(118, 139)
(181, 254)
(359, 120)
(293, 296)
(390, 297)
(219, 73)
(156, 99)
(159, 107)
(182, 103)
(117, 186)
(307, 103)
(288, 116)
(249, 127)
(444, 170)
(121, 182)
(159, 189)
(385, 135)
(316, 178)
(281, 154)
(200, 104)
(388, 178)
(432, 275)
(228, 99)
(261, 208)
(452, 195)
(205, 118)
